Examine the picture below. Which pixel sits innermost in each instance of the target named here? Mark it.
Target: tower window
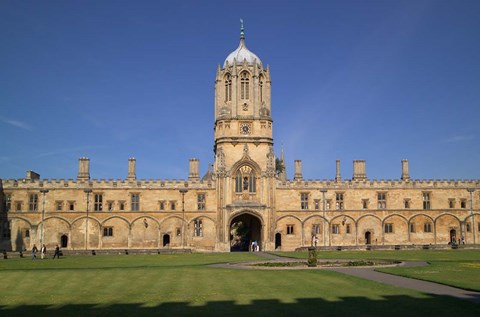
(201, 201)
(228, 88)
(244, 86)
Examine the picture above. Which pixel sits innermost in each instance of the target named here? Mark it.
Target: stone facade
(244, 197)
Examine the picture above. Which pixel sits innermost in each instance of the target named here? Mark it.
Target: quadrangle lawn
(181, 285)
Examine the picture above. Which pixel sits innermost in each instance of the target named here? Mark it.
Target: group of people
(255, 246)
(43, 252)
(457, 241)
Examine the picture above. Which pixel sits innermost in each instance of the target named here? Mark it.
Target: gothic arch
(254, 213)
(344, 216)
(200, 217)
(245, 161)
(69, 225)
(447, 214)
(171, 217)
(84, 217)
(418, 215)
(117, 217)
(21, 218)
(395, 215)
(369, 215)
(315, 216)
(146, 216)
(289, 216)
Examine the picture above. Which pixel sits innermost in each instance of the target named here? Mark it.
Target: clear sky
(380, 81)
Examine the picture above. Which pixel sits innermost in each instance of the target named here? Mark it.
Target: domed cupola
(242, 53)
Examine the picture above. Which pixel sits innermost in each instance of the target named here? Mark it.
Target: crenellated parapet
(107, 184)
(378, 184)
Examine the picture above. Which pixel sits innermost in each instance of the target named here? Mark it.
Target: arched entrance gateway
(245, 229)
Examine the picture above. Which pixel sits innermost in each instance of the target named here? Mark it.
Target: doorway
(64, 241)
(278, 241)
(166, 240)
(368, 237)
(245, 230)
(453, 236)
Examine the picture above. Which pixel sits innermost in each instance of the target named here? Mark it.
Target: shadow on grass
(390, 306)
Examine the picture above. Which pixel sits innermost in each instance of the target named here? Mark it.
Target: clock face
(245, 128)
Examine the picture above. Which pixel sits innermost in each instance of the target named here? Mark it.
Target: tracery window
(244, 86)
(33, 202)
(382, 200)
(228, 87)
(245, 180)
(98, 203)
(198, 228)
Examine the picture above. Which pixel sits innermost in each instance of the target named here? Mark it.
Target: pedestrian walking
(34, 252)
(43, 251)
(57, 252)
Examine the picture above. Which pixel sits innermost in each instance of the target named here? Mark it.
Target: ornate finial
(242, 34)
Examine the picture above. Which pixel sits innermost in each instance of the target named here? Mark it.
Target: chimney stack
(405, 175)
(338, 177)
(132, 175)
(359, 171)
(83, 169)
(194, 174)
(298, 170)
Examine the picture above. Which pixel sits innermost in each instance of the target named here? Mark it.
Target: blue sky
(380, 81)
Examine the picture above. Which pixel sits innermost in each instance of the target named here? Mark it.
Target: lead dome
(242, 53)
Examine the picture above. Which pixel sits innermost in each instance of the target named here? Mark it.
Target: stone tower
(243, 145)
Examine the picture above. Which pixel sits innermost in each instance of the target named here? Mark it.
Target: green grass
(181, 285)
(458, 268)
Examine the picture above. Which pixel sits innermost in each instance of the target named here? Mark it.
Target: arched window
(245, 180)
(228, 88)
(244, 86)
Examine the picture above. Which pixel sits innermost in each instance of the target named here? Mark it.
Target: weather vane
(242, 34)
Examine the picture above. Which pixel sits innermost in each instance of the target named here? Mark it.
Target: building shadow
(390, 306)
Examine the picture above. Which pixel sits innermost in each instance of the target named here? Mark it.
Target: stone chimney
(298, 170)
(83, 169)
(338, 177)
(405, 175)
(32, 176)
(132, 174)
(194, 174)
(359, 171)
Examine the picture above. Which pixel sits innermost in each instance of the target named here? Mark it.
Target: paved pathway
(399, 281)
(422, 286)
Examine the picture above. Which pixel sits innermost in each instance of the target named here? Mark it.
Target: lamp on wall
(43, 191)
(323, 191)
(471, 190)
(183, 191)
(87, 191)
